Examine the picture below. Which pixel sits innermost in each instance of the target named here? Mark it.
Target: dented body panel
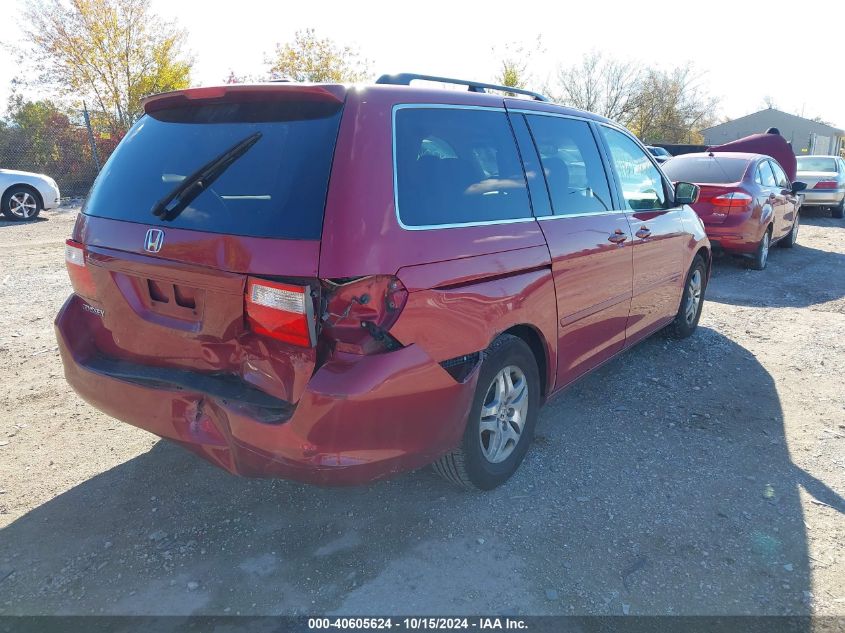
(458, 320)
(360, 418)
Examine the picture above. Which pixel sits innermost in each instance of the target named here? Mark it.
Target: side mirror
(798, 186)
(686, 193)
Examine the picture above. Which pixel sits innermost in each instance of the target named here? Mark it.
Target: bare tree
(602, 85)
(669, 106)
(672, 107)
(819, 119)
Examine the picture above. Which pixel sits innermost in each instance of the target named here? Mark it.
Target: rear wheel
(761, 255)
(692, 301)
(501, 421)
(791, 237)
(839, 210)
(21, 203)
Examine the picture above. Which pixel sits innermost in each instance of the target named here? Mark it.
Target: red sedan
(747, 203)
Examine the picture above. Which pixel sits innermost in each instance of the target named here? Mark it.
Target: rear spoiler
(278, 91)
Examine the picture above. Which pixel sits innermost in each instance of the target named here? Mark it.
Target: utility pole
(91, 136)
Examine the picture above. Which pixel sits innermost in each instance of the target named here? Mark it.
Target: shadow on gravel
(820, 216)
(794, 277)
(662, 484)
(4, 221)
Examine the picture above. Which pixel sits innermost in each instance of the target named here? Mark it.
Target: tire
(21, 203)
(761, 255)
(839, 210)
(791, 238)
(692, 301)
(492, 450)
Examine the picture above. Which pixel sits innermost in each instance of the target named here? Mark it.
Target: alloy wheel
(22, 205)
(693, 295)
(764, 248)
(503, 414)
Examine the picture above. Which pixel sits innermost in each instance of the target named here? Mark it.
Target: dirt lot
(700, 477)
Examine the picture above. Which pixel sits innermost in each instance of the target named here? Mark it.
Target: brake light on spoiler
(244, 92)
(281, 311)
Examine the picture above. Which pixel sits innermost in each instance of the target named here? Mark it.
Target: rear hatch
(221, 279)
(719, 176)
(819, 172)
(813, 178)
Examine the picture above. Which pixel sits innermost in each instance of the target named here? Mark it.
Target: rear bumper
(823, 197)
(360, 418)
(738, 233)
(730, 240)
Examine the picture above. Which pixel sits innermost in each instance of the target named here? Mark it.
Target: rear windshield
(276, 189)
(816, 164)
(705, 169)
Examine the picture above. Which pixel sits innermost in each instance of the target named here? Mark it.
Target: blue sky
(744, 51)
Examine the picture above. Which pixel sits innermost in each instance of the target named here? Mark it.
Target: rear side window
(767, 176)
(641, 182)
(705, 169)
(457, 166)
(276, 189)
(780, 176)
(572, 165)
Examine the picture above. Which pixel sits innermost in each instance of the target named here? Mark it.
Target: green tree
(309, 58)
(42, 136)
(514, 63)
(111, 53)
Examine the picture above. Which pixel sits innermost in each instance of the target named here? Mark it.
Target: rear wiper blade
(169, 207)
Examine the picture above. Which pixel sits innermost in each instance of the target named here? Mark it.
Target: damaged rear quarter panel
(459, 307)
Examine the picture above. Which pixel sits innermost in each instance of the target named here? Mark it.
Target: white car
(23, 194)
(825, 178)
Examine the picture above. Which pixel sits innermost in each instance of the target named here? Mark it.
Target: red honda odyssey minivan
(336, 284)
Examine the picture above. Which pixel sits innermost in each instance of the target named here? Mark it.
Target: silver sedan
(23, 195)
(825, 178)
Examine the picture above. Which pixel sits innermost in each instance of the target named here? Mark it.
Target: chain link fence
(70, 148)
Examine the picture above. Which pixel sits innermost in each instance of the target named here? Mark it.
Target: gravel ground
(696, 477)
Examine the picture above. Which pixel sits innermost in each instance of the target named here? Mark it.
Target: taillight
(281, 311)
(826, 184)
(732, 200)
(358, 314)
(78, 271)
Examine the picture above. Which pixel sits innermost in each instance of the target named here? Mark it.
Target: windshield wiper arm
(169, 207)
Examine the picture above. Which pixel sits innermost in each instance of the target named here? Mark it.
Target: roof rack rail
(405, 79)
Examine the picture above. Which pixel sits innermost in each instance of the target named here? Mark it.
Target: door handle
(617, 237)
(643, 233)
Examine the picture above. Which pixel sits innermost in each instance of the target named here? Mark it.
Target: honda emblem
(154, 240)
